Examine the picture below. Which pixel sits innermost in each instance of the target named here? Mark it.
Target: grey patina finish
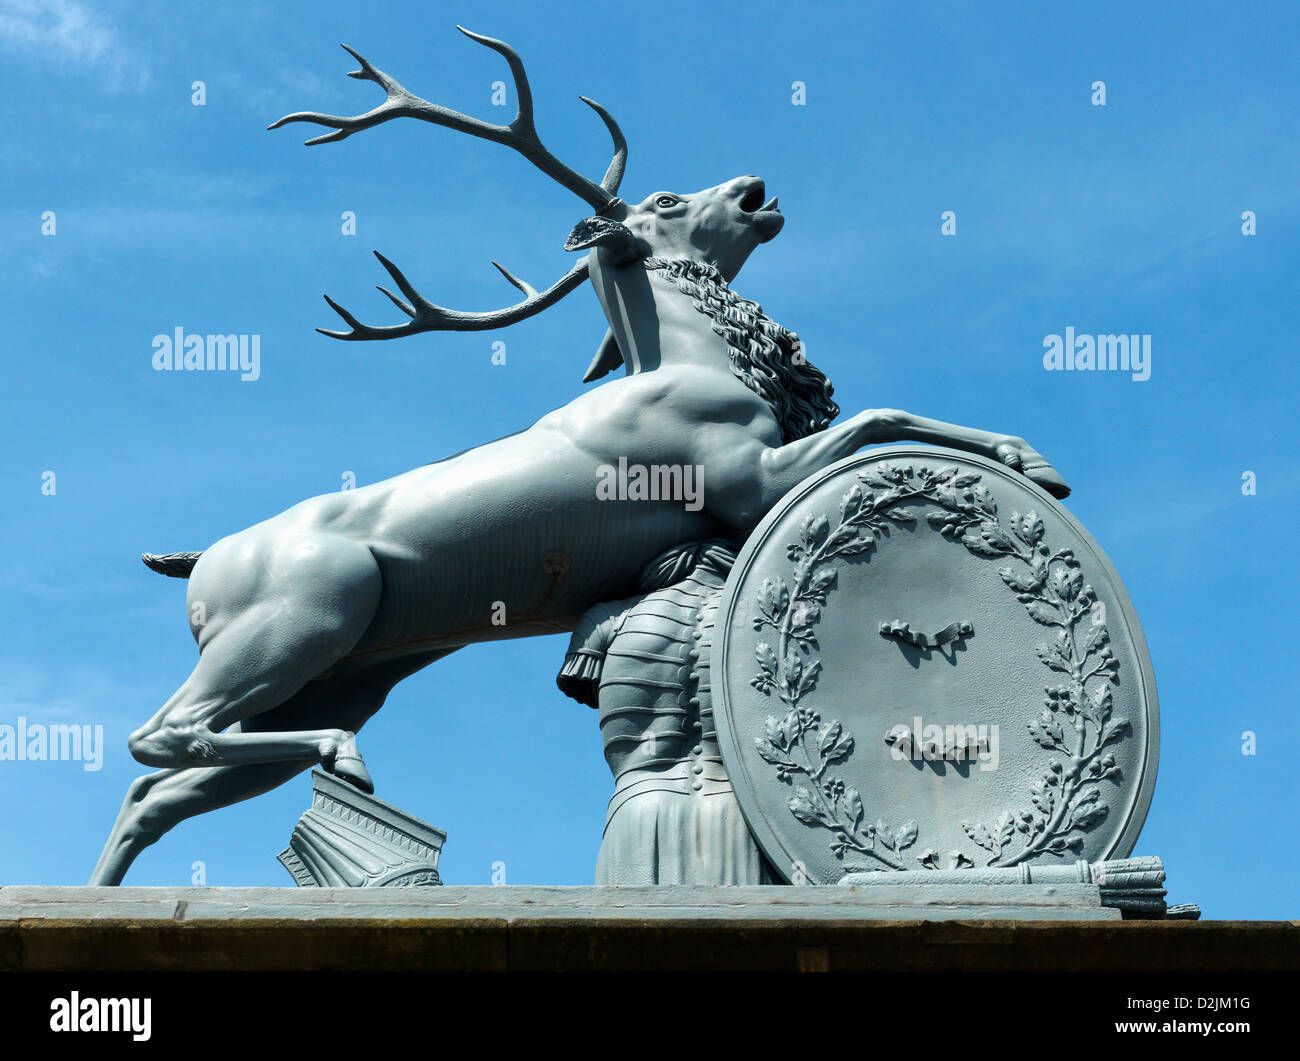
(313, 615)
(347, 839)
(645, 664)
(913, 588)
(1134, 886)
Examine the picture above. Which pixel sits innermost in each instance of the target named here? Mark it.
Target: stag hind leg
(157, 803)
(276, 616)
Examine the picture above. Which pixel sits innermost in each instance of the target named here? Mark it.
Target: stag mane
(765, 356)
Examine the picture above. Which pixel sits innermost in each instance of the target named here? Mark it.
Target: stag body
(517, 521)
(312, 616)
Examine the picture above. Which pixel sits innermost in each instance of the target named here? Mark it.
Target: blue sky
(1124, 218)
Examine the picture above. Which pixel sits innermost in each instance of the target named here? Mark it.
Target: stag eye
(666, 201)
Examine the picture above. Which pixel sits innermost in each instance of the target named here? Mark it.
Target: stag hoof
(347, 765)
(1018, 454)
(1048, 478)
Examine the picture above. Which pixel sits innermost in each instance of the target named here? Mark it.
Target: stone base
(528, 903)
(607, 929)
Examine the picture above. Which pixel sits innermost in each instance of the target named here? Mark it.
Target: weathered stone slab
(525, 903)
(331, 935)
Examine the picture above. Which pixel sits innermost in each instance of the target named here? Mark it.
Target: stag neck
(655, 323)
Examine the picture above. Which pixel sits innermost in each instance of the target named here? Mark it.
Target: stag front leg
(897, 426)
(748, 478)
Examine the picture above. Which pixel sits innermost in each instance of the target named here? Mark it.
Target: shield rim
(728, 740)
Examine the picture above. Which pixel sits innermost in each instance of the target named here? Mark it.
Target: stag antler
(428, 317)
(521, 135)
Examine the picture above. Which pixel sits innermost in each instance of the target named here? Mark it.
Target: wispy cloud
(281, 87)
(71, 693)
(67, 32)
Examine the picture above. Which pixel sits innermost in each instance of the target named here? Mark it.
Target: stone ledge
(545, 929)
(631, 944)
(523, 902)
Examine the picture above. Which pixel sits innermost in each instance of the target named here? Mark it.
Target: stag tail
(174, 565)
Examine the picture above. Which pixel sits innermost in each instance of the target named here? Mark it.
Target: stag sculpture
(312, 616)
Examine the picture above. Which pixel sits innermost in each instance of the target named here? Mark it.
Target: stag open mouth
(753, 202)
(768, 219)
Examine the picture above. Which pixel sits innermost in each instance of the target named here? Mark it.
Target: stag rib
(520, 134)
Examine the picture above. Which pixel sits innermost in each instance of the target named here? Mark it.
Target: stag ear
(613, 237)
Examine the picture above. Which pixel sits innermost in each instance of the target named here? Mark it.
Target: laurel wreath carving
(1076, 722)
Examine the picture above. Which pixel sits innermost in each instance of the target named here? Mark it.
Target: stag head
(721, 225)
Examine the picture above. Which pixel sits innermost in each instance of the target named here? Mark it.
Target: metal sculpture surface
(645, 663)
(312, 616)
(1026, 730)
(347, 839)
